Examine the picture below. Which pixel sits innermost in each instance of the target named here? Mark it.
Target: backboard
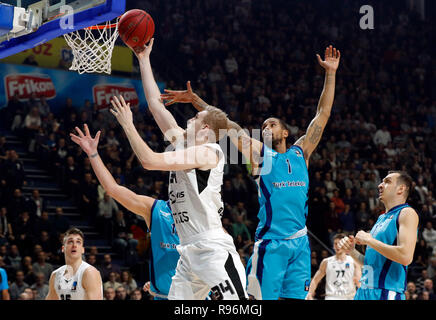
(28, 23)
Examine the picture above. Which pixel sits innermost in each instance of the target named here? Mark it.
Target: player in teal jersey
(390, 244)
(156, 213)
(280, 264)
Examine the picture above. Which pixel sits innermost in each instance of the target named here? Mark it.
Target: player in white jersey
(208, 257)
(341, 272)
(76, 280)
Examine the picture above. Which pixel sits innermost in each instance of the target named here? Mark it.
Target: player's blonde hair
(216, 119)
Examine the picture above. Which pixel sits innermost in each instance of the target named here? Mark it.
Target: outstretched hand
(121, 111)
(182, 96)
(331, 59)
(86, 141)
(144, 52)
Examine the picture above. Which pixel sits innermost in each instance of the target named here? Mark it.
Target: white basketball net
(92, 50)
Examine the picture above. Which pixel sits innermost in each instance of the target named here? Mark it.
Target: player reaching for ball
(390, 244)
(280, 264)
(156, 213)
(76, 280)
(208, 257)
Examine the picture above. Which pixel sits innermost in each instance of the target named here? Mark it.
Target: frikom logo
(103, 94)
(24, 85)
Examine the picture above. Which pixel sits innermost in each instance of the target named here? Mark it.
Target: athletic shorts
(279, 269)
(209, 265)
(378, 294)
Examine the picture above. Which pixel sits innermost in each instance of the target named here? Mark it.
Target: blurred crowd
(254, 59)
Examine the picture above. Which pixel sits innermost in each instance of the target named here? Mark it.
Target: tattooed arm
(310, 140)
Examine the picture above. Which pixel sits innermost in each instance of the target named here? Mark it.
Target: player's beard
(277, 141)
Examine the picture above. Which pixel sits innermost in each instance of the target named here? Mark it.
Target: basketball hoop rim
(101, 27)
(104, 26)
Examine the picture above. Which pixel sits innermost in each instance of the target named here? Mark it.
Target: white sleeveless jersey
(195, 198)
(339, 278)
(70, 288)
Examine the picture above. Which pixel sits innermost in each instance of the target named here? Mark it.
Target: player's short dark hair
(404, 178)
(283, 124)
(339, 236)
(71, 231)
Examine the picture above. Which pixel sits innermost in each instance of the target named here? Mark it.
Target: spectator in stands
(136, 295)
(36, 204)
(60, 222)
(347, 220)
(108, 266)
(43, 107)
(6, 235)
(16, 205)
(40, 286)
(239, 228)
(140, 187)
(70, 177)
(107, 208)
(330, 185)
(428, 287)
(29, 275)
(429, 235)
(32, 123)
(431, 270)
(124, 242)
(109, 293)
(28, 294)
(24, 233)
(88, 191)
(112, 282)
(44, 223)
(30, 60)
(14, 258)
(46, 244)
(362, 217)
(92, 260)
(41, 266)
(411, 290)
(18, 286)
(121, 294)
(128, 282)
(382, 136)
(421, 279)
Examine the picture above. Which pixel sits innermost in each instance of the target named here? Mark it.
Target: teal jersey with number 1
(283, 186)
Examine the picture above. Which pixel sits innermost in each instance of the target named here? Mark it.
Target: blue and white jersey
(283, 186)
(164, 255)
(378, 271)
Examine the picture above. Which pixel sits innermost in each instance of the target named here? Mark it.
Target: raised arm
(201, 157)
(403, 251)
(311, 139)
(184, 96)
(138, 204)
(249, 147)
(164, 119)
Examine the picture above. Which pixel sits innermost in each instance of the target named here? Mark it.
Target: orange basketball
(136, 28)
